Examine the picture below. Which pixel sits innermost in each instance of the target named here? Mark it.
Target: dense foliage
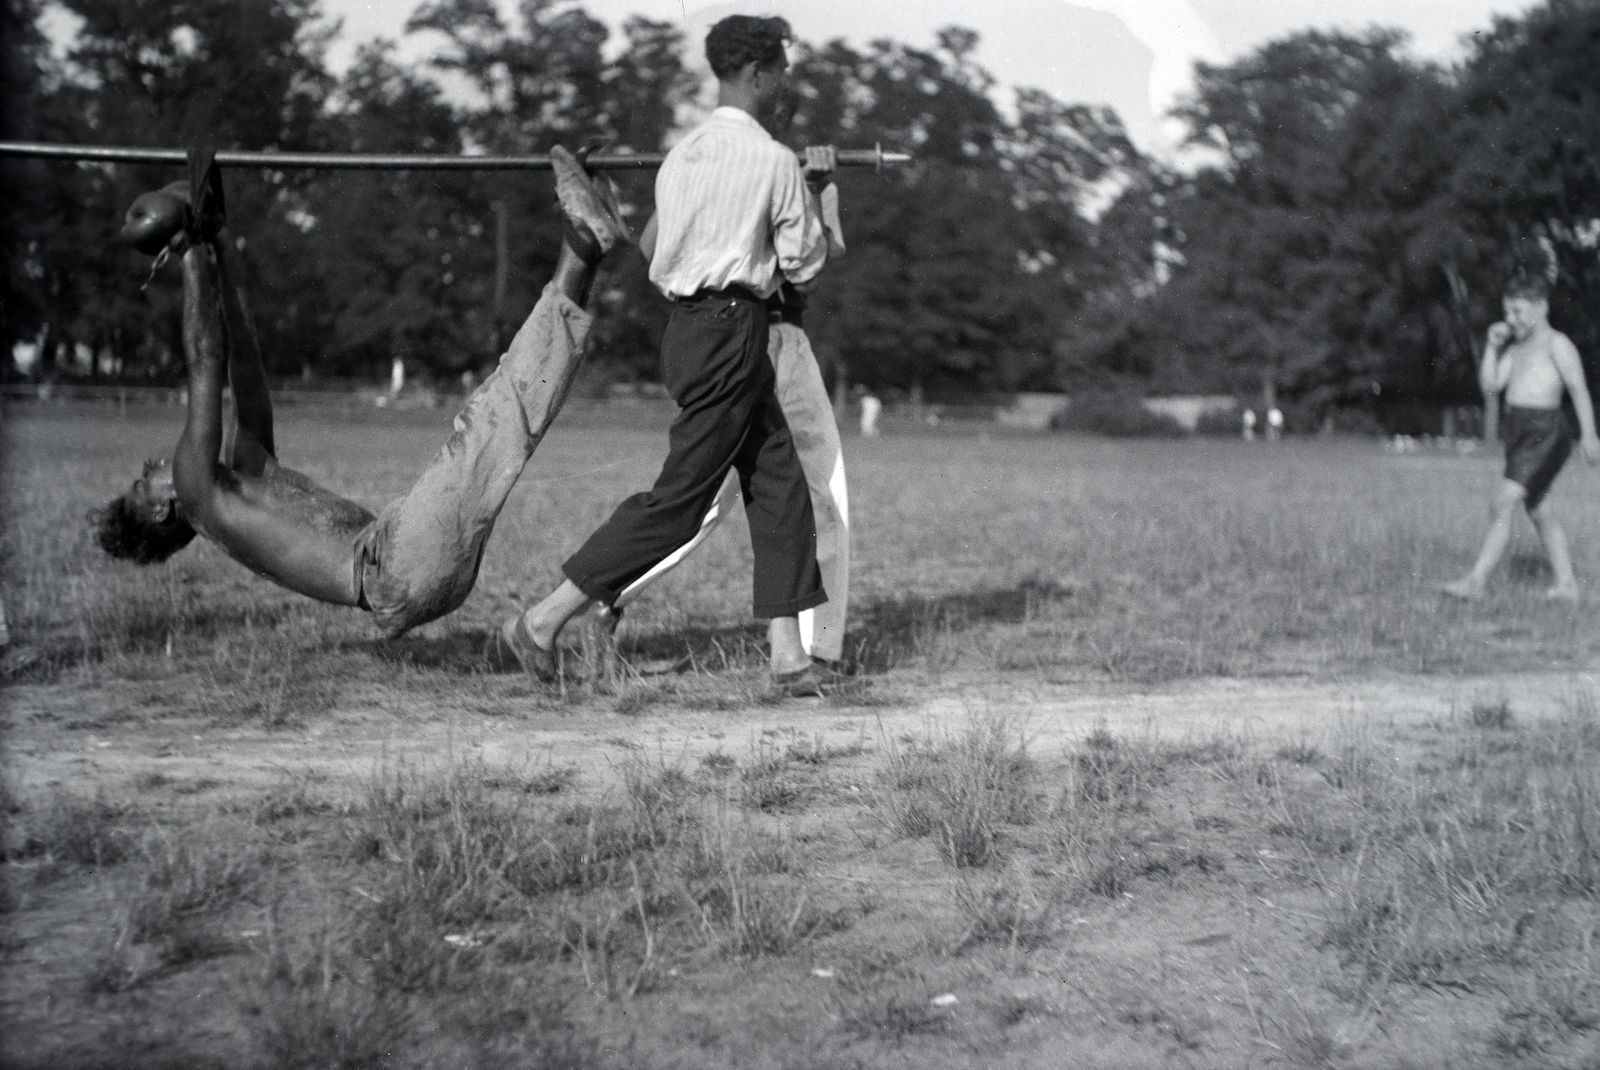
(1361, 211)
(1343, 235)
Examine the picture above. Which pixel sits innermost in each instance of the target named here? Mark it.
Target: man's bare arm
(205, 345)
(247, 373)
(1570, 367)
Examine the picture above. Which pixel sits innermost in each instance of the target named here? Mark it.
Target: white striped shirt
(732, 209)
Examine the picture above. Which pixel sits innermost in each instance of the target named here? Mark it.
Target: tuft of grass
(1090, 832)
(962, 790)
(1117, 773)
(1300, 752)
(170, 910)
(747, 889)
(339, 1025)
(73, 829)
(613, 938)
(658, 798)
(1494, 715)
(816, 752)
(464, 852)
(1555, 1011)
(894, 1009)
(1476, 860)
(768, 782)
(1006, 908)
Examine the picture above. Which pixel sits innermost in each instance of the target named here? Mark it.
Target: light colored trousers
(809, 412)
(419, 559)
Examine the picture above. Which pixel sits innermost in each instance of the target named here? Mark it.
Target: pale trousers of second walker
(803, 397)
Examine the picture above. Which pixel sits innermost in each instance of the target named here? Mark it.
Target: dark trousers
(714, 364)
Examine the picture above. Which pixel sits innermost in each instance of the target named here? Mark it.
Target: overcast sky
(1135, 55)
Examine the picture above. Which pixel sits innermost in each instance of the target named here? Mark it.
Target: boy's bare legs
(1503, 513)
(1565, 586)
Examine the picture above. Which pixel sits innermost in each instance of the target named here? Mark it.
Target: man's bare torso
(286, 527)
(1534, 381)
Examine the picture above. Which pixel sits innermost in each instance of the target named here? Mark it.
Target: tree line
(1340, 229)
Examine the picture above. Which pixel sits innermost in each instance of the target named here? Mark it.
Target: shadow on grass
(892, 632)
(1529, 568)
(885, 634)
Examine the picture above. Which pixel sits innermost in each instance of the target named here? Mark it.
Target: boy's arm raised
(1493, 373)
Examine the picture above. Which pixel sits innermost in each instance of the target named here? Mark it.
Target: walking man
(808, 410)
(1534, 364)
(734, 219)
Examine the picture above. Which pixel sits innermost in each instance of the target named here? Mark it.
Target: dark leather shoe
(813, 681)
(154, 218)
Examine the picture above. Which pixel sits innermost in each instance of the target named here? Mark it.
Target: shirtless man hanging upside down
(418, 558)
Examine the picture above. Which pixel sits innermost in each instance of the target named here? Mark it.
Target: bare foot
(1563, 594)
(1466, 589)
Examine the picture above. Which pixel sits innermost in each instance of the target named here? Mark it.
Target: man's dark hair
(1527, 287)
(741, 39)
(123, 534)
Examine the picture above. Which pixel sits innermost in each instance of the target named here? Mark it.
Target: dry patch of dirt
(974, 872)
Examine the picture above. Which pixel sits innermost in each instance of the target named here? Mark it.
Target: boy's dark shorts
(1538, 442)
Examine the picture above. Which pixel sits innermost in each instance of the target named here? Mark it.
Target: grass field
(1159, 752)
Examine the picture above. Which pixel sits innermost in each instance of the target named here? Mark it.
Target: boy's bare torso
(1534, 382)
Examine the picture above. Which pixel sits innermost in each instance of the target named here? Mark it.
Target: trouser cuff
(791, 608)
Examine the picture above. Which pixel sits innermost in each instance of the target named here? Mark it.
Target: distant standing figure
(397, 377)
(1274, 424)
(1533, 363)
(1249, 422)
(871, 407)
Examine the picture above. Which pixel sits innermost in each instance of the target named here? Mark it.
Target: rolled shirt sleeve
(798, 238)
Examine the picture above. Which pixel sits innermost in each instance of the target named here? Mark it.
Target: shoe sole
(582, 206)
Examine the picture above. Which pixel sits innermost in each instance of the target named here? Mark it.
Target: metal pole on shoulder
(874, 157)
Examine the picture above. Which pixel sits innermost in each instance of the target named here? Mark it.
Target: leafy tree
(1530, 171)
(1313, 252)
(1360, 214)
(36, 213)
(406, 259)
(538, 87)
(233, 73)
(960, 266)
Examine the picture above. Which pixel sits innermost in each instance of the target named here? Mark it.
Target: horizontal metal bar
(362, 161)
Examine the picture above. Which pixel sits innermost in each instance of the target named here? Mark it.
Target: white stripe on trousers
(809, 412)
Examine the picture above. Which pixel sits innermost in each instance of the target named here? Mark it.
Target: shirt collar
(738, 115)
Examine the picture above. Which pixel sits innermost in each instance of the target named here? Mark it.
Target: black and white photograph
(799, 535)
